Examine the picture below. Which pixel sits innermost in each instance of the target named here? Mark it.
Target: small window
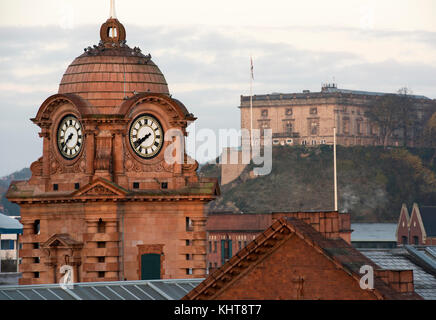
(36, 227)
(210, 246)
(289, 141)
(77, 186)
(416, 240)
(101, 274)
(276, 141)
(55, 187)
(313, 142)
(304, 142)
(288, 111)
(188, 222)
(189, 271)
(135, 185)
(404, 240)
(36, 245)
(188, 242)
(264, 113)
(101, 244)
(188, 256)
(7, 244)
(215, 245)
(164, 185)
(101, 227)
(322, 142)
(36, 260)
(313, 110)
(239, 245)
(36, 274)
(101, 259)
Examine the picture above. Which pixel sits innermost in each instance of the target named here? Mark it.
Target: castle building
(102, 199)
(308, 118)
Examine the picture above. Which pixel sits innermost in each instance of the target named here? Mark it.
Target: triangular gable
(100, 187)
(417, 213)
(404, 214)
(61, 240)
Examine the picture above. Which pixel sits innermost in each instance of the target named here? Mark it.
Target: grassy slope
(372, 182)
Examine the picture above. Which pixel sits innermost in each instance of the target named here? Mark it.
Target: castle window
(304, 142)
(55, 187)
(101, 227)
(101, 274)
(36, 274)
(346, 125)
(101, 259)
(135, 185)
(188, 242)
(36, 227)
(313, 127)
(313, 142)
(36, 260)
(36, 245)
(288, 126)
(313, 110)
(101, 244)
(77, 186)
(189, 271)
(210, 246)
(164, 185)
(215, 245)
(288, 111)
(188, 257)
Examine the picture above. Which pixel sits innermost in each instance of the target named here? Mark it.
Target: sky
(203, 48)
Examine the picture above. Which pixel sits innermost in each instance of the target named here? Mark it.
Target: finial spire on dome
(113, 15)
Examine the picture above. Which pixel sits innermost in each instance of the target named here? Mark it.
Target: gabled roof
(428, 215)
(403, 213)
(343, 255)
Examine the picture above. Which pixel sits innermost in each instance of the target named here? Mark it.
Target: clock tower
(103, 199)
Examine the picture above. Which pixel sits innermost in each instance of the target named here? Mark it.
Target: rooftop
(171, 289)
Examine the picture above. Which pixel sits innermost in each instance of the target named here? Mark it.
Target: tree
(406, 113)
(384, 113)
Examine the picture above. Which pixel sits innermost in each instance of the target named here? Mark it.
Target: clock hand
(138, 142)
(68, 139)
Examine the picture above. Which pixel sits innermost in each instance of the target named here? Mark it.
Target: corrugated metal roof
(373, 232)
(170, 289)
(399, 259)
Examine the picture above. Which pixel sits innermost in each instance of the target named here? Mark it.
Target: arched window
(36, 227)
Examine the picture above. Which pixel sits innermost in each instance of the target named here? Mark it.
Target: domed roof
(107, 74)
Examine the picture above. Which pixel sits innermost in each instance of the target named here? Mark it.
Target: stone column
(118, 157)
(200, 246)
(45, 134)
(90, 153)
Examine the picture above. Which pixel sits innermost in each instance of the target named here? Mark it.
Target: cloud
(208, 68)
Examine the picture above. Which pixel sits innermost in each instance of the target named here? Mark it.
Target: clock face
(70, 137)
(146, 136)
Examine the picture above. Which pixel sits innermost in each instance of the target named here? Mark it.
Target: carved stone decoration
(103, 155)
(133, 165)
(36, 168)
(99, 190)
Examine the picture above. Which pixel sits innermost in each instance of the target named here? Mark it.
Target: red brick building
(229, 232)
(292, 260)
(102, 198)
(418, 228)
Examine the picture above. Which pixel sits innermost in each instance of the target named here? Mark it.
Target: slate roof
(338, 251)
(10, 225)
(173, 289)
(373, 232)
(428, 215)
(401, 259)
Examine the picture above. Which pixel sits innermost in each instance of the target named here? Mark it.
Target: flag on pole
(251, 67)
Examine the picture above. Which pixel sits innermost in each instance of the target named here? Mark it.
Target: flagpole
(251, 101)
(334, 169)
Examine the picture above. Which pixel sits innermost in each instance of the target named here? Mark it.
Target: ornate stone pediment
(100, 187)
(62, 240)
